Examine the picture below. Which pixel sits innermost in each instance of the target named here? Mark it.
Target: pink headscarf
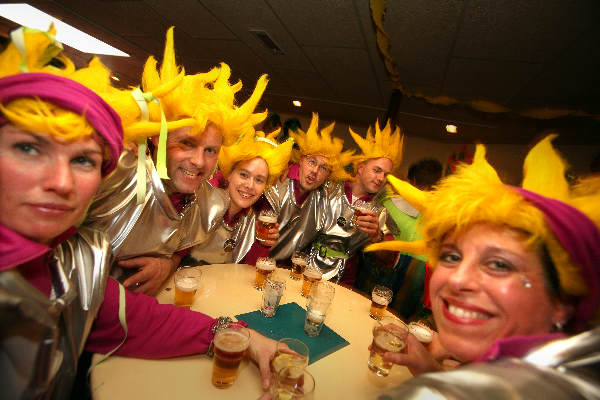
(72, 96)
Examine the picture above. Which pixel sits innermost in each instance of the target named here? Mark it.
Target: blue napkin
(289, 322)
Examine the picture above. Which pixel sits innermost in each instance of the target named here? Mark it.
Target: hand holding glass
(267, 219)
(290, 352)
(293, 383)
(230, 346)
(389, 334)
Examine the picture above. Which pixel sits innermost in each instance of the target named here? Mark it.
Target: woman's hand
(261, 351)
(417, 358)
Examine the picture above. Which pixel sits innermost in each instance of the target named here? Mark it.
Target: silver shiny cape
(338, 239)
(211, 251)
(564, 369)
(298, 224)
(154, 227)
(43, 338)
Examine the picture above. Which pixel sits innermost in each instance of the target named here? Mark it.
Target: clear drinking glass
(186, 281)
(290, 352)
(293, 383)
(272, 293)
(380, 298)
(389, 334)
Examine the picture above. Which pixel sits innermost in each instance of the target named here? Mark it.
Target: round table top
(227, 290)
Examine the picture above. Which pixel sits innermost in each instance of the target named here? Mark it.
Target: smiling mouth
(465, 314)
(245, 195)
(189, 173)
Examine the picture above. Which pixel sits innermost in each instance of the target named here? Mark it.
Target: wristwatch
(222, 323)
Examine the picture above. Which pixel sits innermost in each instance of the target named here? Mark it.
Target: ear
(562, 313)
(360, 167)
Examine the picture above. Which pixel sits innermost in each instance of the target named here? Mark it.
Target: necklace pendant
(229, 245)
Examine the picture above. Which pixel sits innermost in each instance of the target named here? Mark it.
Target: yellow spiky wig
(315, 143)
(475, 194)
(383, 144)
(252, 145)
(204, 97)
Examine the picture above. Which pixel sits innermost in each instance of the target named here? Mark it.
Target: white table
(227, 290)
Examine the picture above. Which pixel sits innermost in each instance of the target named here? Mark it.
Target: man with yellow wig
(152, 214)
(341, 235)
(301, 198)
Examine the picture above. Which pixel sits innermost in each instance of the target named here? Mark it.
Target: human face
(371, 174)
(246, 183)
(191, 158)
(313, 172)
(45, 185)
(478, 290)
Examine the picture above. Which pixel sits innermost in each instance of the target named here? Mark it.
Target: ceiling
(516, 53)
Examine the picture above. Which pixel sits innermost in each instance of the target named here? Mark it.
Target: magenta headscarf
(580, 238)
(72, 96)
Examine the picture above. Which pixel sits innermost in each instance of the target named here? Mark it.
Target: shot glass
(272, 292)
(309, 277)
(293, 383)
(422, 332)
(267, 219)
(264, 267)
(187, 281)
(290, 352)
(389, 334)
(380, 298)
(230, 346)
(321, 296)
(299, 262)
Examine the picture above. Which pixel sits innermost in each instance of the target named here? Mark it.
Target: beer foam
(312, 273)
(266, 263)
(299, 261)
(187, 284)
(388, 342)
(381, 300)
(421, 332)
(268, 219)
(231, 341)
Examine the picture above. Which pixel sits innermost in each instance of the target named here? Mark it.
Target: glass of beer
(230, 346)
(321, 296)
(264, 267)
(267, 219)
(360, 208)
(310, 276)
(290, 352)
(187, 281)
(299, 262)
(293, 383)
(380, 298)
(421, 331)
(272, 293)
(389, 334)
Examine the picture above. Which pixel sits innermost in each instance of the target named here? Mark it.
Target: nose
(60, 178)
(197, 158)
(465, 277)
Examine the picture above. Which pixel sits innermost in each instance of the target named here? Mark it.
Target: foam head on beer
(421, 332)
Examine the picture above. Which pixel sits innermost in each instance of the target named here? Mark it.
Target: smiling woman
(513, 267)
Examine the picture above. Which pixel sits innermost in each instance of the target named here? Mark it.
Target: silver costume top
(154, 227)
(42, 338)
(338, 239)
(563, 369)
(298, 224)
(227, 244)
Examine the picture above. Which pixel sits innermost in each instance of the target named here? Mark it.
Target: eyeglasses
(322, 168)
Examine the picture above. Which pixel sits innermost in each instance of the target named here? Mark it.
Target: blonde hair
(383, 144)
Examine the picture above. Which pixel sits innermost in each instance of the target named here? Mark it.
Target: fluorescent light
(297, 103)
(451, 129)
(26, 15)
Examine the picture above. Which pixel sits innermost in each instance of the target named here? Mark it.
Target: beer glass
(380, 298)
(311, 275)
(230, 346)
(421, 331)
(290, 352)
(321, 296)
(360, 208)
(187, 281)
(264, 267)
(293, 383)
(389, 334)
(272, 292)
(299, 262)
(267, 219)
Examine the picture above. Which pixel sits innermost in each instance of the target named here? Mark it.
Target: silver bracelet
(222, 323)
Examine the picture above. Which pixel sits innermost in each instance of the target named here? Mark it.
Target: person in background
(514, 268)
(425, 173)
(300, 199)
(150, 232)
(249, 167)
(340, 235)
(58, 138)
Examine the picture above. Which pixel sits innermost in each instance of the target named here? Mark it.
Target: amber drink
(264, 267)
(299, 262)
(267, 219)
(380, 298)
(310, 276)
(187, 281)
(389, 334)
(230, 346)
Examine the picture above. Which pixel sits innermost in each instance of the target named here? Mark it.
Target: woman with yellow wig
(58, 138)
(514, 268)
(249, 167)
